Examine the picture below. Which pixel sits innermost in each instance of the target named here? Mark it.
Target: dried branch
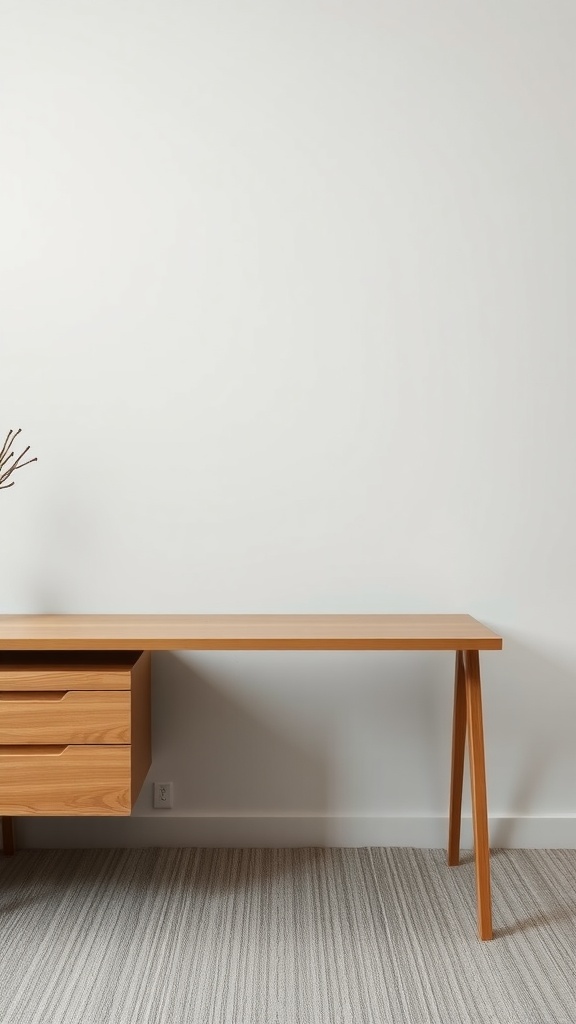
(7, 467)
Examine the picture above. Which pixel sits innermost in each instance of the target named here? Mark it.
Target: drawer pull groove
(43, 695)
(29, 751)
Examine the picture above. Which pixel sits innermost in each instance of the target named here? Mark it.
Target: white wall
(288, 317)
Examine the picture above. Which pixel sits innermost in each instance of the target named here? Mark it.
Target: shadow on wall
(227, 756)
(235, 745)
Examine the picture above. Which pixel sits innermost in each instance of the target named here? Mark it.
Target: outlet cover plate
(162, 795)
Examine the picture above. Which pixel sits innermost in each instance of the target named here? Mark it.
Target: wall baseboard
(553, 832)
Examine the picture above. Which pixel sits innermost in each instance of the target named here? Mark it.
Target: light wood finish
(479, 798)
(72, 716)
(66, 670)
(458, 750)
(69, 780)
(57, 745)
(245, 632)
(8, 842)
(141, 725)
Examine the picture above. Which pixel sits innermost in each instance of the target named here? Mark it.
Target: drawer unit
(74, 732)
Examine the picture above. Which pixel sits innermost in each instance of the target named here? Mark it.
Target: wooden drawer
(68, 670)
(65, 780)
(65, 716)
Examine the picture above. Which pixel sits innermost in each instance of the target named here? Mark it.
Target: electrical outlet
(162, 795)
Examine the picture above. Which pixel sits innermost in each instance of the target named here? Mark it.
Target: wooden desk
(29, 664)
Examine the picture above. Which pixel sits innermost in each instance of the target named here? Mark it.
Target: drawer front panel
(64, 670)
(60, 716)
(72, 780)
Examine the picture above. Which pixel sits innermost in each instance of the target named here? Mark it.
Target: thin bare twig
(8, 442)
(7, 454)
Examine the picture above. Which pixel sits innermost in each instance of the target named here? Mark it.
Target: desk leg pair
(468, 718)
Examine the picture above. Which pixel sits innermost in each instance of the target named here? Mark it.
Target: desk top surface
(245, 632)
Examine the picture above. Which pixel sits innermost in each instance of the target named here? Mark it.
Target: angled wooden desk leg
(8, 835)
(457, 773)
(479, 798)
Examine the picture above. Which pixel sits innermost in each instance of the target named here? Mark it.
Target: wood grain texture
(457, 771)
(71, 780)
(245, 632)
(479, 797)
(65, 670)
(73, 716)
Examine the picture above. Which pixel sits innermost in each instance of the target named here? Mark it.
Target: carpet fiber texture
(293, 936)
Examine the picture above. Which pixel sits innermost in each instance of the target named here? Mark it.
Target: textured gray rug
(298, 936)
